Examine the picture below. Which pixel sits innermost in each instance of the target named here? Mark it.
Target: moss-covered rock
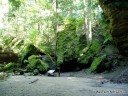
(1, 69)
(29, 50)
(68, 43)
(9, 66)
(110, 49)
(36, 72)
(50, 60)
(42, 66)
(96, 63)
(35, 63)
(88, 53)
(32, 61)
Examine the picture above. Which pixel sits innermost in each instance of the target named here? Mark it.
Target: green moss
(29, 50)
(97, 61)
(1, 69)
(84, 59)
(68, 41)
(32, 61)
(96, 46)
(9, 66)
(35, 63)
(42, 66)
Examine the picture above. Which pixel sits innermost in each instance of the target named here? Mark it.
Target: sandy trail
(60, 86)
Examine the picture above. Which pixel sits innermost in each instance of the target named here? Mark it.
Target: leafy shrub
(95, 46)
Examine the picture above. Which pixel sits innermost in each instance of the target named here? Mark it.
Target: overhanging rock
(117, 13)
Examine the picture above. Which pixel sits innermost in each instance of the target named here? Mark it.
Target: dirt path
(60, 86)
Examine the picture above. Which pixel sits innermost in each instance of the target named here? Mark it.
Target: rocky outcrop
(6, 57)
(117, 13)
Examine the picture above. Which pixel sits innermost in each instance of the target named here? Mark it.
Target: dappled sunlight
(63, 47)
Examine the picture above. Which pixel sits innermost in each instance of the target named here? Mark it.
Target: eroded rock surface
(117, 13)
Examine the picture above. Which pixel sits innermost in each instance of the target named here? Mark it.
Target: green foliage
(108, 38)
(30, 30)
(6, 42)
(95, 46)
(70, 24)
(97, 61)
(15, 4)
(85, 58)
(11, 43)
(88, 53)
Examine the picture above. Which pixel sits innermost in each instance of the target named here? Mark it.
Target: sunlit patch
(81, 54)
(4, 8)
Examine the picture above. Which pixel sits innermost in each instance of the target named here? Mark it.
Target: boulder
(9, 66)
(97, 65)
(6, 57)
(29, 50)
(35, 63)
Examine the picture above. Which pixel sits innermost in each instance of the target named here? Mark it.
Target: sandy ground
(80, 83)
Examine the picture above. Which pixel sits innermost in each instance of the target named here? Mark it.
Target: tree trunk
(56, 36)
(89, 21)
(87, 18)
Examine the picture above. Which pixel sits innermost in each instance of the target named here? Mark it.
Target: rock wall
(117, 13)
(6, 57)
